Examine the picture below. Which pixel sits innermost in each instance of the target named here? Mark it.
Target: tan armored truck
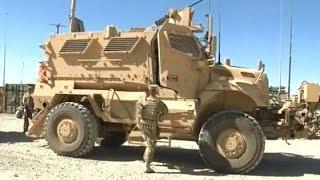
(90, 82)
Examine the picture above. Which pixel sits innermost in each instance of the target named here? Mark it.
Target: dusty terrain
(24, 158)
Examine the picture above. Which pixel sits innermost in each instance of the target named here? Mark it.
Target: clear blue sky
(250, 31)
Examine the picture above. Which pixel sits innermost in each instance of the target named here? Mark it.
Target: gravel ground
(24, 158)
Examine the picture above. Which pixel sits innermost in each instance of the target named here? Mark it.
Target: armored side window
(186, 44)
(121, 45)
(76, 46)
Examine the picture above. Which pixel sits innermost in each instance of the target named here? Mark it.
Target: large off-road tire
(231, 142)
(114, 141)
(71, 129)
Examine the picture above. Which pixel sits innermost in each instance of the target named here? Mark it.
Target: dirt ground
(24, 158)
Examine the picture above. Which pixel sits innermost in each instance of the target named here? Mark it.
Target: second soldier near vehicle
(28, 105)
(150, 111)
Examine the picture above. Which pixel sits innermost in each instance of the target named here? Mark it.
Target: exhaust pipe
(72, 16)
(76, 25)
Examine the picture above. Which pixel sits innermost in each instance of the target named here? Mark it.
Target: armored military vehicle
(90, 82)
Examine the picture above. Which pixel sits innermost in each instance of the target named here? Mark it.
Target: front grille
(186, 44)
(75, 46)
(121, 44)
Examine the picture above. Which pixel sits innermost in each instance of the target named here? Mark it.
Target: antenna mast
(290, 50)
(210, 29)
(219, 35)
(73, 14)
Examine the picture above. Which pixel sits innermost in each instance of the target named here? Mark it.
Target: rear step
(36, 130)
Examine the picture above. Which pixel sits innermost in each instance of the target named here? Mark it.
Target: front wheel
(231, 142)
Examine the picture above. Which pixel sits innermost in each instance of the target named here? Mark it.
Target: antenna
(290, 50)
(196, 3)
(58, 27)
(210, 29)
(219, 35)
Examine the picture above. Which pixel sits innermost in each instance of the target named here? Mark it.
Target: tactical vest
(151, 112)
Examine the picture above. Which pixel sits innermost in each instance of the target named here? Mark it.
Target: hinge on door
(173, 78)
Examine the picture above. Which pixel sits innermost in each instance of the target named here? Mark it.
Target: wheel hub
(67, 131)
(231, 143)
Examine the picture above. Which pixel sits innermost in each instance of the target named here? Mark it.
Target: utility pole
(4, 53)
(280, 51)
(58, 26)
(4, 59)
(22, 70)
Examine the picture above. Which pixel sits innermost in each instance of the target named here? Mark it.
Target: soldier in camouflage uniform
(150, 111)
(28, 104)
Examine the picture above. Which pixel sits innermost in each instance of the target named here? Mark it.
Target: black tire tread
(92, 124)
(113, 141)
(261, 140)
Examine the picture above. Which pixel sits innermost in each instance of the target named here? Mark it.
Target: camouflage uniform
(28, 109)
(150, 111)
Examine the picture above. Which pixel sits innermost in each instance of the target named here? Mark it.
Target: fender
(213, 102)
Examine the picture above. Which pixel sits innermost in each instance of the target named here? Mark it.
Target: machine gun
(160, 21)
(178, 15)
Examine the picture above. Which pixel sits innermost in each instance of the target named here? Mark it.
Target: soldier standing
(28, 108)
(150, 111)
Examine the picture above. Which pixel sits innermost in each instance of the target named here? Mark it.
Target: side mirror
(211, 61)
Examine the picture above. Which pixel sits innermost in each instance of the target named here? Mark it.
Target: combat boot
(149, 169)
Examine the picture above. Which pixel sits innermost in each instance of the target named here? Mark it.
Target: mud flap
(36, 129)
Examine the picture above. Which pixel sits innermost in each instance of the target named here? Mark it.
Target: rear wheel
(231, 142)
(71, 129)
(114, 140)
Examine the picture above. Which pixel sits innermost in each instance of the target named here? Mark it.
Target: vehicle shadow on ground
(188, 161)
(285, 164)
(13, 137)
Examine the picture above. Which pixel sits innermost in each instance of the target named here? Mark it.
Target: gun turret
(160, 21)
